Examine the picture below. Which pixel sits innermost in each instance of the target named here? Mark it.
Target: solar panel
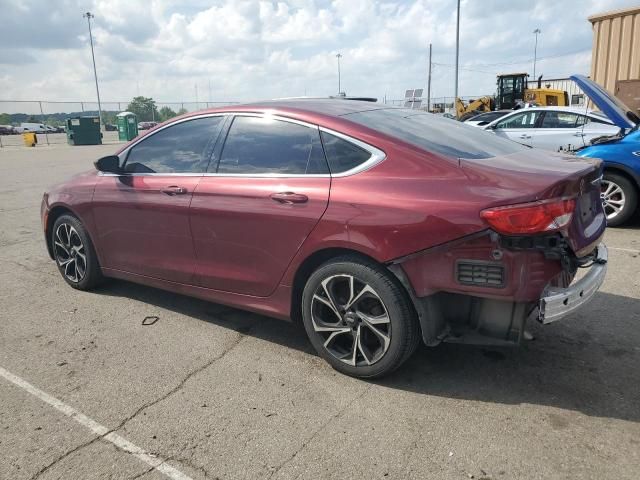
(409, 94)
(417, 92)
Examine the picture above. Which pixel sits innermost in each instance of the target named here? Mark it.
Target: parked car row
(146, 125)
(8, 130)
(29, 127)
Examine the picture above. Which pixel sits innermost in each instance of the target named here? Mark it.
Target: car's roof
(326, 106)
(581, 110)
(492, 112)
(559, 109)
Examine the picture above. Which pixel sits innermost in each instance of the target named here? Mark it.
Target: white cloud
(252, 49)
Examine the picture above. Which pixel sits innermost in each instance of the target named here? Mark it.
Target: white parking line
(100, 430)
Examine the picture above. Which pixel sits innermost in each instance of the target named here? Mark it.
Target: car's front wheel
(74, 253)
(619, 198)
(359, 318)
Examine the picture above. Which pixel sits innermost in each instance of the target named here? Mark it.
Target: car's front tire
(359, 318)
(74, 253)
(619, 198)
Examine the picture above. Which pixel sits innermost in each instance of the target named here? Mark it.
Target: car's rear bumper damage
(556, 302)
(485, 289)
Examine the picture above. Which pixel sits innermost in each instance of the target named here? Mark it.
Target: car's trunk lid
(538, 175)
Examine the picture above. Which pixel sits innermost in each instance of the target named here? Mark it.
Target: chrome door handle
(579, 134)
(524, 135)
(289, 198)
(174, 190)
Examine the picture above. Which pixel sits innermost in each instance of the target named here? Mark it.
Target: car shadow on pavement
(588, 363)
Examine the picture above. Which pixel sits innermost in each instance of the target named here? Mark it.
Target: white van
(31, 127)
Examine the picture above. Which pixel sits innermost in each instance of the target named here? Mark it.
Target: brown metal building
(615, 58)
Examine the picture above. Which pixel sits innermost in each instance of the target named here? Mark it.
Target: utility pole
(535, 51)
(429, 83)
(196, 85)
(89, 16)
(457, 48)
(339, 56)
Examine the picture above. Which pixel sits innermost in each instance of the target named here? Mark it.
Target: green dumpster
(127, 126)
(84, 131)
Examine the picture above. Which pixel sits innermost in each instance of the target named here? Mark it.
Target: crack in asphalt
(175, 389)
(143, 473)
(65, 455)
(181, 384)
(189, 463)
(318, 431)
(29, 269)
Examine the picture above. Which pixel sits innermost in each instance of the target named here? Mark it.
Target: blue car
(620, 152)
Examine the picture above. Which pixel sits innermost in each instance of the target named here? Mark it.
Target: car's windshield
(435, 134)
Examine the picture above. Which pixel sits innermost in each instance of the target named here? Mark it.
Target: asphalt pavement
(89, 392)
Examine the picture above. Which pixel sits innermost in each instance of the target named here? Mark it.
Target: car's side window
(258, 145)
(582, 120)
(560, 120)
(342, 154)
(520, 120)
(598, 121)
(181, 148)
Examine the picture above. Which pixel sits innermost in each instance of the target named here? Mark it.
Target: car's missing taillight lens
(529, 218)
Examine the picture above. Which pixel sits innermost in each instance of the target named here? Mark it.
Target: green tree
(144, 108)
(182, 111)
(166, 113)
(5, 119)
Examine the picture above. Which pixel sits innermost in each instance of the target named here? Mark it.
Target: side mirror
(108, 164)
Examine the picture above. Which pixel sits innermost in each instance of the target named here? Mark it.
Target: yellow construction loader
(512, 92)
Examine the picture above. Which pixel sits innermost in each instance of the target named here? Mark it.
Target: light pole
(429, 83)
(89, 16)
(339, 56)
(535, 52)
(457, 48)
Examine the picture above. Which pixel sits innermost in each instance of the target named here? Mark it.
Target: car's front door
(519, 127)
(267, 188)
(142, 215)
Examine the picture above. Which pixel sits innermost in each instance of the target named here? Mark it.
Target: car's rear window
(436, 134)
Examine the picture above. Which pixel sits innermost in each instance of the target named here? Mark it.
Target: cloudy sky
(243, 50)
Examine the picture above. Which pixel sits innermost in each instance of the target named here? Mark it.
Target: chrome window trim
(377, 155)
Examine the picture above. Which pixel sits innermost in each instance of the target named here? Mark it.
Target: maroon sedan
(377, 227)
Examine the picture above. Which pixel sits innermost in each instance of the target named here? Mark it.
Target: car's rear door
(593, 127)
(519, 127)
(264, 193)
(559, 130)
(142, 215)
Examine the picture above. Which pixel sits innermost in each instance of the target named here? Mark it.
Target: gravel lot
(213, 392)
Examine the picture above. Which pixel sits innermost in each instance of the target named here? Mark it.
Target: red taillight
(534, 217)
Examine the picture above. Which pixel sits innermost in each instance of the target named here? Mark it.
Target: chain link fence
(13, 113)
(438, 104)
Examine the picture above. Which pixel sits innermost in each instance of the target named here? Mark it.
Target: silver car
(553, 128)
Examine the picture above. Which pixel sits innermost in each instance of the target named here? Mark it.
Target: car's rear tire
(359, 318)
(619, 198)
(74, 253)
